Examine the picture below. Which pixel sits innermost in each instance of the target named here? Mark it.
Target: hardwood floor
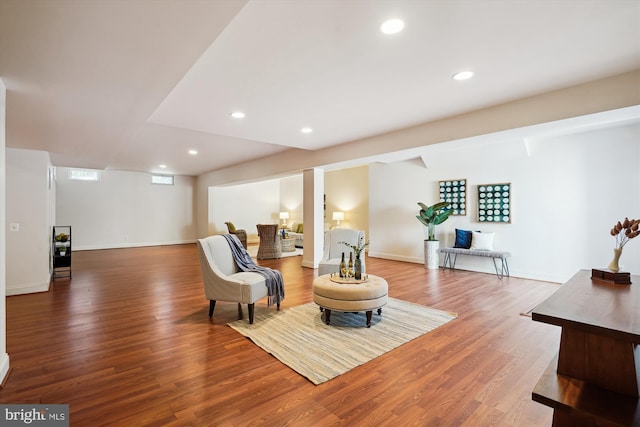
(128, 342)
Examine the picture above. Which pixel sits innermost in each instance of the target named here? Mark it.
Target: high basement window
(84, 175)
(162, 179)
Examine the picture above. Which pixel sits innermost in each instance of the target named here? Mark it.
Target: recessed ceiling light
(237, 115)
(462, 75)
(193, 152)
(392, 26)
(306, 130)
(163, 166)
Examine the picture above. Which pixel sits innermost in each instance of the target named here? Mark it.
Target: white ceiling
(130, 85)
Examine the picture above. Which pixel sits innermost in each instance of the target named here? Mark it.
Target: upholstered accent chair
(241, 234)
(270, 245)
(223, 281)
(333, 249)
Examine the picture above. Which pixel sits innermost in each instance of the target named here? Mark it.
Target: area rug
(253, 251)
(300, 339)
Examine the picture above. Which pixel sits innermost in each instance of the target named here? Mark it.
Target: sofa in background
(296, 230)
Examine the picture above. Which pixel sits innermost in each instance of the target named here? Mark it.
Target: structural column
(313, 216)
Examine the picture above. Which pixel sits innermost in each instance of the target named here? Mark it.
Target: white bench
(450, 261)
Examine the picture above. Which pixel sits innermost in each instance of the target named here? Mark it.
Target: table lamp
(284, 216)
(338, 216)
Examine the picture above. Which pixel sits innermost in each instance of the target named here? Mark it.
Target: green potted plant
(431, 216)
(62, 238)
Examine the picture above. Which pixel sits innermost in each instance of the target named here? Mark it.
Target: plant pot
(431, 256)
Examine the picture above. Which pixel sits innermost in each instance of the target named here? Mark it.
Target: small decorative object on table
(357, 249)
(610, 277)
(335, 277)
(343, 267)
(623, 232)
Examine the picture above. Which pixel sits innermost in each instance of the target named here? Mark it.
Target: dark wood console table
(594, 379)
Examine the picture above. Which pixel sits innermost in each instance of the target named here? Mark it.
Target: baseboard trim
(308, 264)
(463, 267)
(5, 369)
(28, 289)
(395, 257)
(130, 245)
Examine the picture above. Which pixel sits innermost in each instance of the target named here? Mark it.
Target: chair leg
(251, 310)
(212, 305)
(278, 306)
(239, 311)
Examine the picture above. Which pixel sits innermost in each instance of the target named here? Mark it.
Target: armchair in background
(270, 244)
(241, 234)
(333, 249)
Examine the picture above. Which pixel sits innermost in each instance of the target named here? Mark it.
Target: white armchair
(223, 281)
(333, 249)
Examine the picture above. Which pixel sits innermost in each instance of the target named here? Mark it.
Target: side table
(594, 380)
(288, 244)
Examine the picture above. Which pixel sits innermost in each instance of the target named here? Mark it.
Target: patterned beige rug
(299, 338)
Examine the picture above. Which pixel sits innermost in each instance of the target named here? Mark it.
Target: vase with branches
(357, 250)
(623, 231)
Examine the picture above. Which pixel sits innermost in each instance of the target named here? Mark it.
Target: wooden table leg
(599, 360)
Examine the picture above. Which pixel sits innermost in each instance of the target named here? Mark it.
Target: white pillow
(482, 241)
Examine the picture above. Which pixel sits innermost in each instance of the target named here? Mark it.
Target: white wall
(245, 205)
(568, 191)
(292, 198)
(124, 209)
(30, 201)
(4, 357)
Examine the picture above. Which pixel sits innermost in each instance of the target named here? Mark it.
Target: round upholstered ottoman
(350, 297)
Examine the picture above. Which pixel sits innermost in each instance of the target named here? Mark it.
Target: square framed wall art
(494, 202)
(455, 192)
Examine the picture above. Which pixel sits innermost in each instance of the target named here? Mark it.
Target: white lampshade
(338, 216)
(284, 215)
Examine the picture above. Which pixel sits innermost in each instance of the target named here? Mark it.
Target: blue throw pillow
(463, 239)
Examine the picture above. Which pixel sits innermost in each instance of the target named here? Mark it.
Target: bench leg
(449, 262)
(445, 260)
(504, 268)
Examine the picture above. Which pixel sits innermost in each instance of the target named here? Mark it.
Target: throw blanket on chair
(273, 278)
